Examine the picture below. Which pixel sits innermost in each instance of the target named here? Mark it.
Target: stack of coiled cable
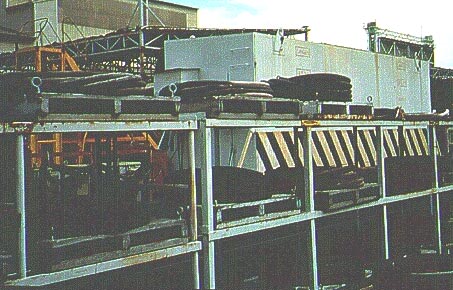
(198, 90)
(311, 87)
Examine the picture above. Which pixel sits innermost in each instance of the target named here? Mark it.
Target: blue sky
(335, 22)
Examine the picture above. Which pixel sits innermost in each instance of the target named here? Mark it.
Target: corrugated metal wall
(107, 15)
(6, 46)
(16, 17)
(94, 17)
(10, 46)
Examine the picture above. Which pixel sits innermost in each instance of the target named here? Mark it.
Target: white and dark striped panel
(335, 148)
(391, 147)
(267, 152)
(418, 141)
(276, 149)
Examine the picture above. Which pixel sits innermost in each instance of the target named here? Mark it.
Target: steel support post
(438, 224)
(386, 232)
(433, 151)
(193, 209)
(401, 141)
(147, 12)
(308, 170)
(216, 140)
(196, 271)
(310, 204)
(207, 206)
(20, 199)
(355, 145)
(296, 152)
(380, 157)
(142, 37)
(58, 148)
(296, 143)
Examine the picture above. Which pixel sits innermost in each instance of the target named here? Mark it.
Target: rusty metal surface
(51, 278)
(128, 256)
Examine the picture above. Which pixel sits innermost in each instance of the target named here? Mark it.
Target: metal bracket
(22, 127)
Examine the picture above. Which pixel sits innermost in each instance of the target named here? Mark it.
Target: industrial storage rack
(22, 130)
(307, 214)
(204, 129)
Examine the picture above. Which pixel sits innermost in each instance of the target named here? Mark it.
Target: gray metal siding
(73, 32)
(230, 145)
(48, 10)
(227, 57)
(391, 81)
(6, 46)
(190, 13)
(174, 76)
(16, 17)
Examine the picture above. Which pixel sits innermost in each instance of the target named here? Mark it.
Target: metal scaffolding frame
(307, 214)
(398, 44)
(138, 50)
(202, 131)
(23, 129)
(441, 73)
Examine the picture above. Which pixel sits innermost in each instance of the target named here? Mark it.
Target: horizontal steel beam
(73, 273)
(97, 126)
(307, 216)
(316, 123)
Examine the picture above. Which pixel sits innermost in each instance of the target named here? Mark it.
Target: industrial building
(62, 20)
(132, 160)
(11, 39)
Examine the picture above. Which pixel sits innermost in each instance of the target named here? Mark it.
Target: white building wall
(390, 81)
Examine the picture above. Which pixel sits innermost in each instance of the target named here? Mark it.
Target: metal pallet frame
(21, 130)
(309, 214)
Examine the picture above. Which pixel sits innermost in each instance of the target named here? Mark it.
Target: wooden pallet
(228, 215)
(336, 111)
(155, 231)
(75, 106)
(342, 117)
(360, 109)
(74, 252)
(106, 256)
(367, 193)
(330, 200)
(237, 106)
